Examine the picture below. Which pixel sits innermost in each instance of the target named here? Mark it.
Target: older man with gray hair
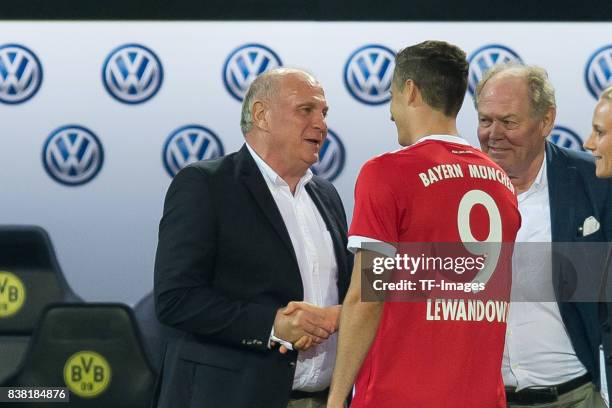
(251, 255)
(551, 357)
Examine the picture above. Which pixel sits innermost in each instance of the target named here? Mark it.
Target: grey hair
(540, 91)
(264, 87)
(606, 95)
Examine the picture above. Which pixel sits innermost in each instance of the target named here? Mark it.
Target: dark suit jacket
(576, 194)
(224, 265)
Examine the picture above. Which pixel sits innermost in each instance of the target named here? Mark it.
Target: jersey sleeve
(375, 217)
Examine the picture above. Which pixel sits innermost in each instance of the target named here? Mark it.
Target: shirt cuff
(275, 339)
(356, 242)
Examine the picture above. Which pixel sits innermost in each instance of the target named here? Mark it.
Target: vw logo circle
(331, 158)
(244, 64)
(565, 137)
(368, 73)
(484, 58)
(598, 71)
(72, 155)
(132, 73)
(189, 144)
(21, 74)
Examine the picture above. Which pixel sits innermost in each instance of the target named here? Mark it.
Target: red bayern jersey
(434, 354)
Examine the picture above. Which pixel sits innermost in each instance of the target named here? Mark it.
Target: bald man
(251, 255)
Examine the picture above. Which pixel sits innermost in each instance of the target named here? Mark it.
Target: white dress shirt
(314, 251)
(538, 350)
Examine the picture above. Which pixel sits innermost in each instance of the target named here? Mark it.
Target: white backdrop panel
(105, 230)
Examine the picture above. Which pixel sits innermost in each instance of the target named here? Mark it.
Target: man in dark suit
(551, 356)
(243, 240)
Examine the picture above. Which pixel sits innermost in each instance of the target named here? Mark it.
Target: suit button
(292, 364)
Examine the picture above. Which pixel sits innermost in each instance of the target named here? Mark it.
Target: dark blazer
(575, 193)
(224, 265)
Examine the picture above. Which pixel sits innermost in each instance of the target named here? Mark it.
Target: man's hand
(330, 315)
(293, 323)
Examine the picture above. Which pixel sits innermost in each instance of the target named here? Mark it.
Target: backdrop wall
(95, 117)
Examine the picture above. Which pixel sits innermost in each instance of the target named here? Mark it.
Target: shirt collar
(444, 138)
(540, 182)
(271, 176)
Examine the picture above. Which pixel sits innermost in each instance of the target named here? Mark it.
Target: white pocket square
(589, 226)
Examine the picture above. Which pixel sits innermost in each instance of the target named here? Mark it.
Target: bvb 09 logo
(87, 374)
(12, 294)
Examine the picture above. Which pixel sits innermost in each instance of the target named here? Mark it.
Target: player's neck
(434, 123)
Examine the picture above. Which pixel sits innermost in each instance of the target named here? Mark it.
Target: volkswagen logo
(331, 158)
(72, 155)
(484, 58)
(598, 71)
(189, 144)
(564, 137)
(132, 74)
(244, 64)
(368, 74)
(20, 74)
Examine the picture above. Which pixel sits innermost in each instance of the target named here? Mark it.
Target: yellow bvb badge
(12, 294)
(87, 374)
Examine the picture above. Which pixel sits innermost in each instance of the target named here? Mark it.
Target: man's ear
(259, 113)
(548, 121)
(411, 94)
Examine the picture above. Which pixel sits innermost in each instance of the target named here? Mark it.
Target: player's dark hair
(438, 69)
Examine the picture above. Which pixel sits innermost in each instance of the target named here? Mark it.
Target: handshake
(305, 325)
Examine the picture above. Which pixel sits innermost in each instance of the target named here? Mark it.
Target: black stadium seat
(94, 349)
(155, 334)
(30, 279)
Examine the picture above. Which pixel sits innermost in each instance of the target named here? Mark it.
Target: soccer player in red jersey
(437, 189)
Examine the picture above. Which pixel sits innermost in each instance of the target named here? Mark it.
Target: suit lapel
(253, 179)
(561, 185)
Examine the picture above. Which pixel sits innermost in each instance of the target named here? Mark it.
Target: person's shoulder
(575, 156)
(324, 185)
(212, 167)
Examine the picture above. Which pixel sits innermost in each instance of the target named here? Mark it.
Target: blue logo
(598, 71)
(189, 144)
(244, 64)
(484, 58)
(132, 74)
(72, 155)
(20, 74)
(331, 158)
(368, 74)
(564, 137)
